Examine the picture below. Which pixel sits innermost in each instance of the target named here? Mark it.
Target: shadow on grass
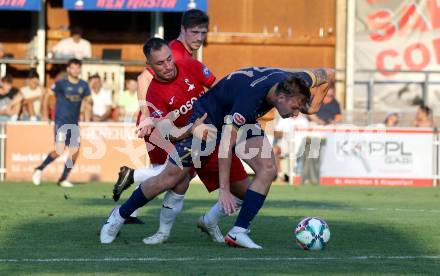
(69, 236)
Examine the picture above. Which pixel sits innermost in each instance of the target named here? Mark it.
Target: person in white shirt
(32, 94)
(73, 47)
(102, 100)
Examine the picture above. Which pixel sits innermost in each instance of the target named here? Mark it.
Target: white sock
(172, 204)
(142, 174)
(216, 213)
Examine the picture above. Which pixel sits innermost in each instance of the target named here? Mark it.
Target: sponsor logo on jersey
(206, 71)
(190, 85)
(238, 119)
(185, 108)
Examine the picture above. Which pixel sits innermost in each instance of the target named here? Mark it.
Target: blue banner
(20, 5)
(135, 5)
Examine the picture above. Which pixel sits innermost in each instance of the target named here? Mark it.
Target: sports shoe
(65, 184)
(240, 239)
(125, 179)
(157, 238)
(212, 230)
(36, 177)
(111, 227)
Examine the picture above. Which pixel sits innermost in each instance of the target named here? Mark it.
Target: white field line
(219, 259)
(371, 209)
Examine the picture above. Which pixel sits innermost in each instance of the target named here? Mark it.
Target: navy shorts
(68, 134)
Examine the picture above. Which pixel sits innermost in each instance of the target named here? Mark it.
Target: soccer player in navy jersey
(70, 92)
(229, 110)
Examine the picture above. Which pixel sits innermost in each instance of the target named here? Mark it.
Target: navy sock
(136, 201)
(252, 203)
(67, 168)
(46, 162)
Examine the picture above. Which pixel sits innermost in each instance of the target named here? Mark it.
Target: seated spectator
(32, 95)
(73, 47)
(330, 111)
(281, 147)
(391, 120)
(10, 100)
(128, 105)
(423, 117)
(102, 100)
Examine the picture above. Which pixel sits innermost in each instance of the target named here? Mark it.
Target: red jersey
(178, 50)
(177, 96)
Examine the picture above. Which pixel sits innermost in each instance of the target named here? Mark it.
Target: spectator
(128, 104)
(32, 96)
(102, 100)
(10, 100)
(330, 111)
(391, 119)
(284, 128)
(423, 117)
(73, 47)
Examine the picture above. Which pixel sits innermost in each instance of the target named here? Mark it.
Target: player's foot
(65, 184)
(157, 238)
(133, 220)
(240, 239)
(111, 227)
(36, 177)
(125, 179)
(212, 230)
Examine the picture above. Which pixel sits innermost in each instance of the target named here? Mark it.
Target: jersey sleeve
(86, 91)
(57, 88)
(202, 73)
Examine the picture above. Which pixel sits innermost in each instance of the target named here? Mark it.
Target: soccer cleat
(125, 179)
(36, 177)
(157, 238)
(212, 230)
(65, 184)
(240, 239)
(111, 227)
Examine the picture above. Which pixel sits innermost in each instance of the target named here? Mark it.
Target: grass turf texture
(395, 229)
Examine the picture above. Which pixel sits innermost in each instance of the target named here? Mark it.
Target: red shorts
(209, 173)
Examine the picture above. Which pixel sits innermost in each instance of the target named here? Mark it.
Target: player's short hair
(293, 86)
(194, 17)
(425, 109)
(74, 61)
(75, 30)
(153, 44)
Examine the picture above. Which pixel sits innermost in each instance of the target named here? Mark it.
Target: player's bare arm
(323, 78)
(145, 124)
(88, 110)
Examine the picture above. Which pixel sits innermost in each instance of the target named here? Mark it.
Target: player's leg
(72, 141)
(59, 148)
(265, 172)
(172, 205)
(149, 189)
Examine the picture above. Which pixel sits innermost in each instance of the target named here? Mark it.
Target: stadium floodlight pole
(41, 42)
(157, 24)
(349, 65)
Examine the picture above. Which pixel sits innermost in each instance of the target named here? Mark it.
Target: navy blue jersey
(69, 98)
(242, 95)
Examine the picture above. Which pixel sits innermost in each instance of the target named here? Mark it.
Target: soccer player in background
(172, 94)
(70, 92)
(234, 103)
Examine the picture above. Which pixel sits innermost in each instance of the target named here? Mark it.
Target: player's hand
(145, 126)
(227, 201)
(202, 131)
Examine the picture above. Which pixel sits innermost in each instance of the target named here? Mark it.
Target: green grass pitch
(48, 230)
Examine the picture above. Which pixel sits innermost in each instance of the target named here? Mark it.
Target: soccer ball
(312, 233)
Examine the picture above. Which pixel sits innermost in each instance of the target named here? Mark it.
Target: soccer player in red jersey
(172, 93)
